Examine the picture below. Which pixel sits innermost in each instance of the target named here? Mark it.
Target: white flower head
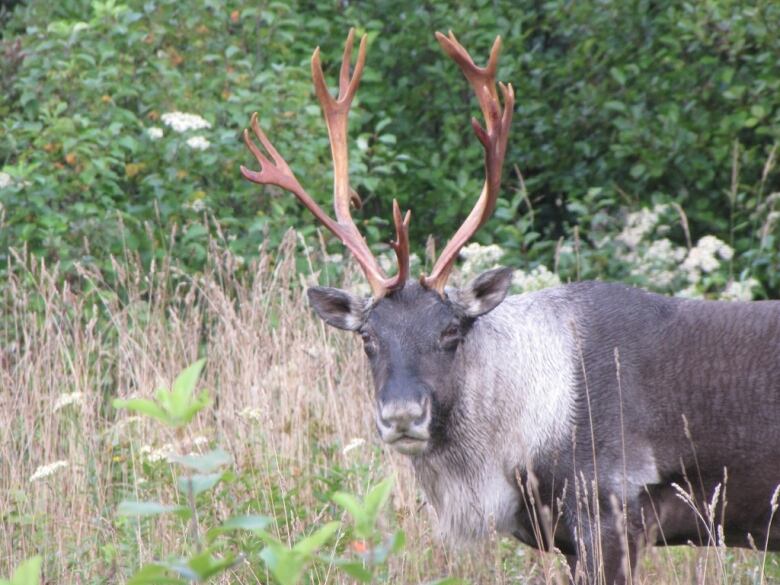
(705, 257)
(68, 399)
(537, 279)
(254, 414)
(181, 121)
(639, 224)
(740, 290)
(198, 142)
(6, 180)
(45, 471)
(353, 444)
(155, 132)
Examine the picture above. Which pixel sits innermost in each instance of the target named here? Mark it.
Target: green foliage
(175, 407)
(663, 108)
(28, 573)
(213, 554)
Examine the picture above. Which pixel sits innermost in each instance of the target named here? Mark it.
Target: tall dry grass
(290, 394)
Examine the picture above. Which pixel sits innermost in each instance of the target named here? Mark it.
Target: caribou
(593, 418)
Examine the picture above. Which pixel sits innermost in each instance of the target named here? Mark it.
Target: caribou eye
(450, 337)
(369, 345)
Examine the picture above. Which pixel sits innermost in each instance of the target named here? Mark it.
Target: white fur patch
(517, 373)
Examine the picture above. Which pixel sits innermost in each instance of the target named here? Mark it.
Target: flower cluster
(198, 142)
(478, 258)
(45, 471)
(740, 290)
(639, 224)
(155, 132)
(537, 279)
(181, 121)
(68, 399)
(705, 257)
(6, 180)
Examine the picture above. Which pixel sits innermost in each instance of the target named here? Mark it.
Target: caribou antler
(276, 172)
(493, 139)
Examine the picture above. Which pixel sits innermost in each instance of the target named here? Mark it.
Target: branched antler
(275, 171)
(493, 138)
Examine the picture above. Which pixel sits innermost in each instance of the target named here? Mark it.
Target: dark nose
(400, 415)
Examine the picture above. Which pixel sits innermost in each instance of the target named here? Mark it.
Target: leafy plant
(28, 573)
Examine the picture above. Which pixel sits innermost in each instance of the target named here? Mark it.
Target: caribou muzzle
(405, 424)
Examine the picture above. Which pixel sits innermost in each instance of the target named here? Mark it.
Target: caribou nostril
(401, 415)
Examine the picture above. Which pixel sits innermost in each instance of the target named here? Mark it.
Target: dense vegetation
(621, 105)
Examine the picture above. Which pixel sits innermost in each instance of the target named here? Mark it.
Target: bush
(679, 103)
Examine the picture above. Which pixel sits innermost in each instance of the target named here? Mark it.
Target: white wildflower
(705, 257)
(537, 279)
(740, 290)
(199, 441)
(198, 142)
(197, 205)
(479, 258)
(639, 224)
(353, 444)
(160, 454)
(181, 121)
(690, 292)
(155, 133)
(68, 399)
(45, 471)
(658, 264)
(254, 414)
(6, 180)
(334, 258)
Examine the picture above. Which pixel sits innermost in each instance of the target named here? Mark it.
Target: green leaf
(354, 569)
(27, 573)
(285, 565)
(447, 581)
(184, 387)
(199, 483)
(252, 523)
(133, 508)
(206, 565)
(143, 406)
(206, 463)
(314, 541)
(154, 575)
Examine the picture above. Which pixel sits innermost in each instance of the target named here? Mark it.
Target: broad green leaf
(27, 573)
(354, 569)
(133, 508)
(350, 503)
(251, 523)
(206, 565)
(143, 406)
(206, 463)
(154, 575)
(184, 387)
(377, 497)
(314, 541)
(287, 566)
(199, 483)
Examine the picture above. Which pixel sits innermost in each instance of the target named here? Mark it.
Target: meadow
(289, 410)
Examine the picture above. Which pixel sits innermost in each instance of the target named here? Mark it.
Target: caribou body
(590, 418)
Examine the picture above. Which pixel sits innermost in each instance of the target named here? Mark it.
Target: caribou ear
(484, 293)
(337, 307)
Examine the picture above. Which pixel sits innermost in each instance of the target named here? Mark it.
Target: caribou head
(411, 330)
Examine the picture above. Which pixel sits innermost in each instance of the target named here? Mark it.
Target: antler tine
(401, 245)
(275, 171)
(493, 138)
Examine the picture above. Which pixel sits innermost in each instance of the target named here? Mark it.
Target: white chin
(409, 446)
